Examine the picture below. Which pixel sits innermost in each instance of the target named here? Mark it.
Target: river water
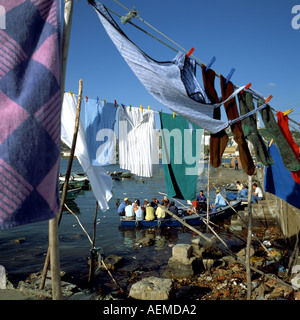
(23, 249)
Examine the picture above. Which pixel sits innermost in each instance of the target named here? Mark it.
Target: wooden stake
(249, 239)
(92, 265)
(208, 181)
(65, 187)
(53, 249)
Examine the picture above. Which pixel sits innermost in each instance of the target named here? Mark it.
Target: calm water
(21, 259)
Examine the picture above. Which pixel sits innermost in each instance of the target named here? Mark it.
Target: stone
(2, 277)
(151, 288)
(112, 262)
(179, 270)
(208, 264)
(242, 253)
(182, 253)
(144, 241)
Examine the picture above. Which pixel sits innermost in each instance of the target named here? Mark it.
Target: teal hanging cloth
(181, 146)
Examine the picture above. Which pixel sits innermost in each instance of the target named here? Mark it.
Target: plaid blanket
(30, 103)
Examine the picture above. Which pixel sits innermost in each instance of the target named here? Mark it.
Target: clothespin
(97, 99)
(130, 107)
(271, 142)
(104, 102)
(211, 63)
(285, 113)
(190, 52)
(71, 93)
(173, 115)
(246, 87)
(148, 107)
(86, 98)
(141, 108)
(115, 103)
(268, 99)
(230, 75)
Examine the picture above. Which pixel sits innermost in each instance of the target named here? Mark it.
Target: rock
(2, 277)
(112, 262)
(179, 270)
(236, 228)
(151, 288)
(144, 241)
(182, 253)
(229, 260)
(208, 264)
(242, 253)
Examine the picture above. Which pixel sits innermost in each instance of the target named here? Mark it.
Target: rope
(199, 62)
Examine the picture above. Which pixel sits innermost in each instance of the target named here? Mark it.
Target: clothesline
(199, 62)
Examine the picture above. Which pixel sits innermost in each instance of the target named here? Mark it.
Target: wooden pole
(92, 265)
(249, 239)
(65, 187)
(208, 181)
(53, 223)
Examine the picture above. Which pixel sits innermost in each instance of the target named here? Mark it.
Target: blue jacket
(122, 207)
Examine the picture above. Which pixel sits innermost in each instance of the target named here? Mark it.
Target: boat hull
(194, 220)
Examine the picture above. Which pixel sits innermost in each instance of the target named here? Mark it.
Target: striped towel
(30, 102)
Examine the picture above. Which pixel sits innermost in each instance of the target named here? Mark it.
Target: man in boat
(201, 199)
(160, 213)
(219, 202)
(121, 209)
(173, 208)
(257, 194)
(154, 203)
(129, 212)
(139, 213)
(150, 212)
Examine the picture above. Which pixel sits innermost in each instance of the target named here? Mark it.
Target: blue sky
(254, 37)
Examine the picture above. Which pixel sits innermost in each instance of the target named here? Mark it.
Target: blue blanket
(30, 104)
(99, 126)
(279, 180)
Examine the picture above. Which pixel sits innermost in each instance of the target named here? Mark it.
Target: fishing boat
(116, 175)
(72, 194)
(73, 184)
(193, 220)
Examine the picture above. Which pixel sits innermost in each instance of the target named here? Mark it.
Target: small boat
(127, 175)
(116, 175)
(193, 220)
(74, 177)
(73, 184)
(72, 194)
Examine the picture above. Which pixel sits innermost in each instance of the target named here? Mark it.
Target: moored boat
(72, 194)
(193, 220)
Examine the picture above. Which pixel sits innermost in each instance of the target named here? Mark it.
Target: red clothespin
(246, 87)
(190, 52)
(115, 103)
(268, 99)
(86, 98)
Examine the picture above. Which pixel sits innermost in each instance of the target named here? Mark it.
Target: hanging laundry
(283, 122)
(138, 147)
(99, 123)
(30, 102)
(218, 141)
(251, 133)
(289, 159)
(100, 180)
(172, 83)
(279, 181)
(238, 135)
(181, 153)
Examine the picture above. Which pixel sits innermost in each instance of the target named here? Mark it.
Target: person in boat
(164, 199)
(122, 206)
(201, 199)
(144, 206)
(139, 213)
(173, 208)
(150, 213)
(193, 207)
(239, 186)
(160, 213)
(257, 195)
(243, 194)
(154, 203)
(219, 202)
(129, 212)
